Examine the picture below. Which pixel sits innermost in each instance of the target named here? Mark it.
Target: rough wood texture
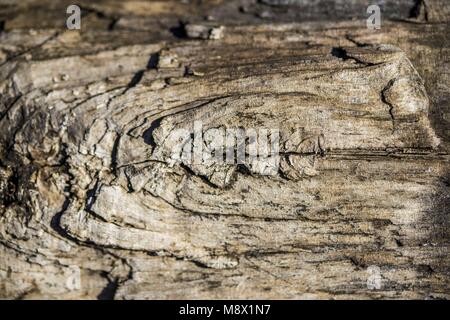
(91, 205)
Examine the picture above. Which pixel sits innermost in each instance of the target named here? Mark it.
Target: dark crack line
(391, 107)
(10, 106)
(341, 53)
(50, 38)
(109, 291)
(357, 43)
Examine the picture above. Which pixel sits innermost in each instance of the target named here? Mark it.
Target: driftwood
(92, 204)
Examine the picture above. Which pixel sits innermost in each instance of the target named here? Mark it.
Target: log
(100, 199)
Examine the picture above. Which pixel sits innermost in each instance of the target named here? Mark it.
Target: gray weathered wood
(92, 207)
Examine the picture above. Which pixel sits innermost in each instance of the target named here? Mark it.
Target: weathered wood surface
(92, 207)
